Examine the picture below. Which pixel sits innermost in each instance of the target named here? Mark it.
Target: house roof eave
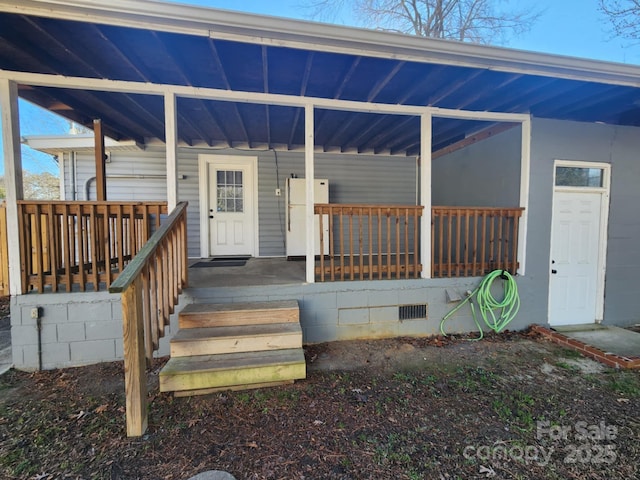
(267, 30)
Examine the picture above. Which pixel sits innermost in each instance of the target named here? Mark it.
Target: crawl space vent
(409, 312)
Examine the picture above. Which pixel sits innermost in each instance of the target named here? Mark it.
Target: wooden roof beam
(303, 91)
(476, 137)
(385, 81)
(225, 80)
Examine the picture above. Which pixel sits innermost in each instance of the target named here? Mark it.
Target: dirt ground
(509, 407)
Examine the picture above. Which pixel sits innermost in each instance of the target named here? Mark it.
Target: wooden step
(197, 315)
(232, 370)
(246, 338)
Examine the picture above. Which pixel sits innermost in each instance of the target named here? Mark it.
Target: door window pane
(229, 191)
(579, 177)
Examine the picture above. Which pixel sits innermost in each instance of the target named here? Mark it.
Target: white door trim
(604, 222)
(204, 163)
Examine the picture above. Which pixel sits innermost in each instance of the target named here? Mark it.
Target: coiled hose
(488, 305)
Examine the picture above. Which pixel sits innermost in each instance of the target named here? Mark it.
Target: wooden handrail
(150, 286)
(79, 245)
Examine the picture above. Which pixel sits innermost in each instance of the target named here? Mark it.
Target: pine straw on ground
(423, 409)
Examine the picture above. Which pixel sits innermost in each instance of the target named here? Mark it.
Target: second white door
(575, 249)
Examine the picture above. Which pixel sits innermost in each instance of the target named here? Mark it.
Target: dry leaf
(102, 408)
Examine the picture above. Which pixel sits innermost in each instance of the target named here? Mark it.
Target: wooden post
(13, 179)
(135, 379)
(101, 176)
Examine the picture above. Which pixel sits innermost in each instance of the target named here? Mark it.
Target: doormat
(222, 262)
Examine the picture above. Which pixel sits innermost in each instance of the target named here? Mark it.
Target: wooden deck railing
(472, 241)
(80, 245)
(369, 241)
(150, 286)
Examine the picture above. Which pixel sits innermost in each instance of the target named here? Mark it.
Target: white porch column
(425, 193)
(309, 176)
(12, 177)
(171, 142)
(525, 166)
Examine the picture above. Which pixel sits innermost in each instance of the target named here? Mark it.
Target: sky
(565, 27)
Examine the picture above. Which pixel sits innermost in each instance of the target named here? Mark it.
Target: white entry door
(576, 277)
(231, 207)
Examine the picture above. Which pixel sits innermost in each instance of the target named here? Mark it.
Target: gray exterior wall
(485, 174)
(352, 179)
(619, 146)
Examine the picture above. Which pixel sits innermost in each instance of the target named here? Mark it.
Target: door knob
(210, 216)
(554, 271)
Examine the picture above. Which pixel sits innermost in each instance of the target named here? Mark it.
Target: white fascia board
(55, 143)
(266, 30)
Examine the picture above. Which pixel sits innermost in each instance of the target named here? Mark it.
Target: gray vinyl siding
(485, 174)
(352, 179)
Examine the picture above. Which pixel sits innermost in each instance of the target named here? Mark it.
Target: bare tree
(624, 16)
(479, 21)
(40, 186)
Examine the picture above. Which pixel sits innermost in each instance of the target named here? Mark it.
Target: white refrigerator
(295, 219)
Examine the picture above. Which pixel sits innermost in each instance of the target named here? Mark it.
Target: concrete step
(200, 315)
(235, 339)
(232, 370)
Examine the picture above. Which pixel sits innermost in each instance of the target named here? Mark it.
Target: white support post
(525, 165)
(171, 142)
(425, 193)
(309, 176)
(12, 178)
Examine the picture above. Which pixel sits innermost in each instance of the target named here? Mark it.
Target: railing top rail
(90, 202)
(488, 209)
(136, 265)
(364, 205)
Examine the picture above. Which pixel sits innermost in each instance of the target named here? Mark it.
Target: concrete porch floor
(257, 271)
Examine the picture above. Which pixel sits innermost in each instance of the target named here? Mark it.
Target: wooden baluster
(406, 243)
(370, 233)
(332, 242)
(380, 240)
(492, 244)
(389, 260)
(94, 242)
(132, 232)
(483, 245)
(514, 244)
(106, 242)
(475, 243)
(120, 238)
(153, 300)
(166, 282)
(465, 271)
(416, 241)
(351, 273)
(146, 313)
(398, 254)
(53, 249)
(341, 210)
(321, 225)
(160, 274)
(360, 243)
(500, 240)
(37, 235)
(79, 232)
(67, 240)
(185, 259)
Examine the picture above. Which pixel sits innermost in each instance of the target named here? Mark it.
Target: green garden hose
(487, 304)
